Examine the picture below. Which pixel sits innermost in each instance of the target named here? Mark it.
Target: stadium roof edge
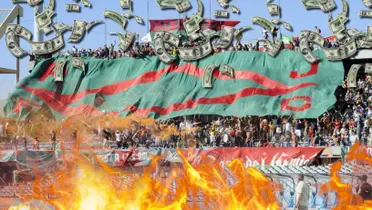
(14, 12)
(7, 71)
(362, 54)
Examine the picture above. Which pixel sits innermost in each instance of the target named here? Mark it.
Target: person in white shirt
(2, 130)
(218, 122)
(302, 194)
(118, 138)
(182, 125)
(287, 126)
(369, 112)
(225, 139)
(356, 116)
(279, 130)
(189, 125)
(353, 138)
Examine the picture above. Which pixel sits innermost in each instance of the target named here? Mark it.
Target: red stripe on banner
(227, 99)
(284, 105)
(22, 102)
(60, 102)
(251, 157)
(191, 69)
(50, 72)
(313, 70)
(191, 103)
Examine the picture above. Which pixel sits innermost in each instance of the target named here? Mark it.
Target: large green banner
(262, 85)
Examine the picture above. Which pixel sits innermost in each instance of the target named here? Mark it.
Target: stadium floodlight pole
(18, 60)
(148, 17)
(280, 17)
(105, 32)
(210, 9)
(38, 36)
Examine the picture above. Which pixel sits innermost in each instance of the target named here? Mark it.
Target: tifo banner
(251, 157)
(263, 85)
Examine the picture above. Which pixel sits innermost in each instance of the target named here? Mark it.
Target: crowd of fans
(350, 121)
(140, 50)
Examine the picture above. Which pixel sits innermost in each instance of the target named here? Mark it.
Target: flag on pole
(147, 38)
(287, 39)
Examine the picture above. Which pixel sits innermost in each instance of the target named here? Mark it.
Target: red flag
(130, 154)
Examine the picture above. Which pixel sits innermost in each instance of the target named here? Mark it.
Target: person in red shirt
(310, 134)
(351, 124)
(36, 144)
(337, 124)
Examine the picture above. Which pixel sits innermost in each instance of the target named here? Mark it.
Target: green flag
(262, 85)
(287, 39)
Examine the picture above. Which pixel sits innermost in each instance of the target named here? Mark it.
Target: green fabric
(286, 39)
(176, 90)
(7, 155)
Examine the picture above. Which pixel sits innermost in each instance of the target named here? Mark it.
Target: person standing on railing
(36, 144)
(302, 197)
(53, 139)
(24, 142)
(318, 30)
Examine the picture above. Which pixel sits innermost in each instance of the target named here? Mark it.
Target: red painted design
(49, 97)
(284, 105)
(313, 70)
(274, 88)
(227, 99)
(133, 108)
(50, 72)
(22, 102)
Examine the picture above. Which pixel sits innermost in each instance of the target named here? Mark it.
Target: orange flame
(92, 187)
(80, 184)
(345, 196)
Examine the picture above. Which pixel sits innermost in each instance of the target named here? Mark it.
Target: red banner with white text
(251, 157)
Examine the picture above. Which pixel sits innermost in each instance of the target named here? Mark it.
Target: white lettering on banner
(104, 158)
(224, 163)
(369, 151)
(197, 160)
(190, 156)
(294, 161)
(249, 163)
(172, 155)
(211, 156)
(111, 158)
